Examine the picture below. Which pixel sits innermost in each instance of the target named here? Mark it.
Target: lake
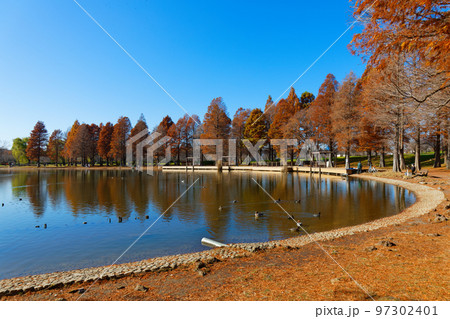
(54, 220)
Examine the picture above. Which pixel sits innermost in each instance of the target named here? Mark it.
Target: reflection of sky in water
(65, 199)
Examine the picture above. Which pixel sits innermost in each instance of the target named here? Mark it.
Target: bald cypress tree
(104, 142)
(119, 138)
(69, 149)
(140, 128)
(37, 143)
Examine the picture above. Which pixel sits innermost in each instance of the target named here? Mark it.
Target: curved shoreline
(427, 199)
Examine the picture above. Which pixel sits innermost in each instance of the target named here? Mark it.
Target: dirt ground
(401, 262)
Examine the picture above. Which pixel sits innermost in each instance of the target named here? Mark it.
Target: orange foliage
(411, 26)
(37, 143)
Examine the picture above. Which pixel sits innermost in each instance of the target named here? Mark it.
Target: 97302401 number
(406, 310)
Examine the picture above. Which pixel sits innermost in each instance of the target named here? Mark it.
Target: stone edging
(427, 199)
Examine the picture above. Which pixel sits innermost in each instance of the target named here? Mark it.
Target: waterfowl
(297, 201)
(291, 217)
(295, 229)
(277, 200)
(220, 207)
(20, 198)
(235, 201)
(258, 214)
(3, 204)
(120, 219)
(45, 226)
(317, 215)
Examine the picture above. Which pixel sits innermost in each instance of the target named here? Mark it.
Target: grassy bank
(426, 160)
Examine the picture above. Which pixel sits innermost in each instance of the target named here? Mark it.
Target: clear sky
(57, 65)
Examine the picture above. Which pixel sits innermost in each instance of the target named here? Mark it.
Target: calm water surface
(82, 210)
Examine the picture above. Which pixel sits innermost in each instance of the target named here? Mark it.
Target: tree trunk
(395, 160)
(270, 152)
(444, 151)
(417, 155)
(382, 159)
(333, 161)
(437, 151)
(292, 156)
(401, 157)
(402, 151)
(347, 158)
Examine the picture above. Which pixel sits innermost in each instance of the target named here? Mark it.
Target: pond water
(82, 210)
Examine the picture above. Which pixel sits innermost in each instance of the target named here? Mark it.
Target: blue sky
(56, 65)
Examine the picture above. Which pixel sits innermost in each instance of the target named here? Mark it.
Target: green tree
(256, 126)
(306, 99)
(19, 150)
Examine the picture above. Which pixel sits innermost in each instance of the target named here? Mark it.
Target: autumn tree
(69, 150)
(37, 143)
(119, 139)
(269, 112)
(163, 129)
(256, 127)
(190, 132)
(104, 142)
(94, 130)
(392, 110)
(55, 146)
(284, 111)
(393, 27)
(297, 128)
(319, 113)
(372, 136)
(176, 133)
(19, 150)
(293, 100)
(269, 109)
(216, 124)
(82, 143)
(140, 128)
(413, 28)
(5, 153)
(345, 116)
(237, 130)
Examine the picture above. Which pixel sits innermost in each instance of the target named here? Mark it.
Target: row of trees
(407, 80)
(402, 99)
(356, 115)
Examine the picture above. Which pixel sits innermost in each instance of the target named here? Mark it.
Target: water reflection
(65, 199)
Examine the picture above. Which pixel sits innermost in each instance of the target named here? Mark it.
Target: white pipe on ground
(211, 243)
